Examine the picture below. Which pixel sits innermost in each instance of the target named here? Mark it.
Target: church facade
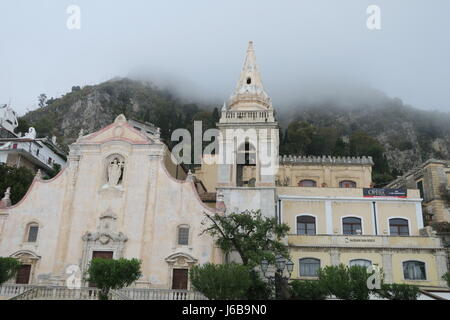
(117, 197)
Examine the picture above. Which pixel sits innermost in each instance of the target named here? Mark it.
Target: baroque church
(121, 195)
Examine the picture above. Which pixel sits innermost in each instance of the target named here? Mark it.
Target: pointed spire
(249, 89)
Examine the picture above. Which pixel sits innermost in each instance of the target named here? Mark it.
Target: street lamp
(264, 266)
(290, 267)
(281, 264)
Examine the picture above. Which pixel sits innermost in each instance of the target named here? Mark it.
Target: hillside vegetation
(398, 137)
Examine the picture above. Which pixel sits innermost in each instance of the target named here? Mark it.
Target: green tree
(19, 179)
(259, 289)
(347, 283)
(446, 277)
(8, 268)
(361, 144)
(42, 100)
(251, 235)
(22, 126)
(215, 115)
(112, 274)
(299, 137)
(395, 291)
(308, 290)
(54, 172)
(228, 281)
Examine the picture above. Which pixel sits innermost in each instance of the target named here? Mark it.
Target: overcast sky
(305, 49)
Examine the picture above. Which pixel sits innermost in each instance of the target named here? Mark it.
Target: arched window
(183, 235)
(246, 154)
(245, 165)
(414, 270)
(347, 184)
(351, 225)
(307, 183)
(306, 225)
(309, 267)
(360, 262)
(398, 227)
(32, 232)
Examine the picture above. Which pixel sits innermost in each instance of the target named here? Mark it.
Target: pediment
(181, 258)
(120, 129)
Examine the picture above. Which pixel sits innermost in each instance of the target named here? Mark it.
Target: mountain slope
(407, 136)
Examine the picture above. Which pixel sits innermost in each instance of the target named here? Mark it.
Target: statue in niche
(115, 170)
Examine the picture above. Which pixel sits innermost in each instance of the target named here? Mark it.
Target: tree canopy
(19, 179)
(110, 274)
(227, 281)
(8, 268)
(253, 236)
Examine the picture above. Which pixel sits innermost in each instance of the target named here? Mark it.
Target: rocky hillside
(93, 107)
(406, 136)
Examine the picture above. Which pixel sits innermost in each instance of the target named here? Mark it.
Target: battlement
(292, 159)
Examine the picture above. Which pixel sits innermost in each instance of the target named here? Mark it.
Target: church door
(180, 279)
(103, 255)
(23, 274)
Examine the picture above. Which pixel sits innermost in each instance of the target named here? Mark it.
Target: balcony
(246, 116)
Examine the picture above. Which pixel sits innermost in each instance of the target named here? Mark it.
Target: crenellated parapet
(293, 159)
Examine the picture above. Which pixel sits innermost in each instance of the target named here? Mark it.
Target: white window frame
(417, 260)
(352, 216)
(305, 214)
(389, 225)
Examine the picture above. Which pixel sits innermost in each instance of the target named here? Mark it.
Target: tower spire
(249, 92)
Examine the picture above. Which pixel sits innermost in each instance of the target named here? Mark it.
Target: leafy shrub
(308, 290)
(221, 281)
(259, 289)
(348, 283)
(110, 274)
(396, 291)
(443, 226)
(446, 277)
(8, 268)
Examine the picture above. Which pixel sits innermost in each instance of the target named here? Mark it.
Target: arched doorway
(28, 261)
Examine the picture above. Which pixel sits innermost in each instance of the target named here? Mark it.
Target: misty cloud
(307, 51)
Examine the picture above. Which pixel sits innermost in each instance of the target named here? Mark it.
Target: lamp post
(281, 265)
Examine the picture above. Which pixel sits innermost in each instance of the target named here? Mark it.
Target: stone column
(387, 266)
(441, 266)
(329, 217)
(335, 256)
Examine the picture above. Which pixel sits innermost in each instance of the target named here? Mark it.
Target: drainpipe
(375, 217)
(279, 211)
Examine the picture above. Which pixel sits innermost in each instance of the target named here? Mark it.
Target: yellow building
(333, 213)
(329, 226)
(432, 178)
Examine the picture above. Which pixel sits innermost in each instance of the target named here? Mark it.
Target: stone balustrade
(39, 292)
(161, 294)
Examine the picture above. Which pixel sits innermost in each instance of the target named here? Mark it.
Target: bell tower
(249, 138)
